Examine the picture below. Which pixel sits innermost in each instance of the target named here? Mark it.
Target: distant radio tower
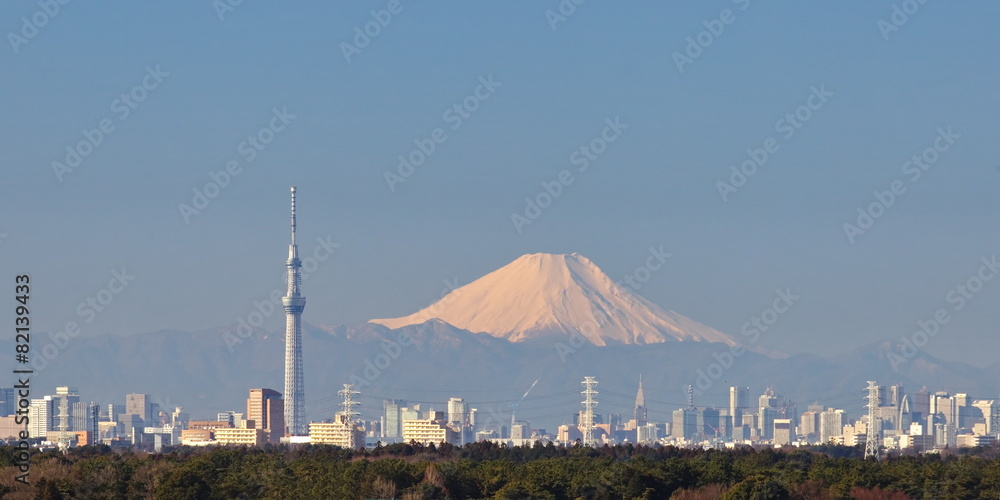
(294, 302)
(872, 442)
(347, 414)
(587, 417)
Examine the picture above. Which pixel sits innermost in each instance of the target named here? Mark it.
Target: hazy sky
(210, 83)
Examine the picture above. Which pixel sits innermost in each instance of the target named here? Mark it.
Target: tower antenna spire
(293, 215)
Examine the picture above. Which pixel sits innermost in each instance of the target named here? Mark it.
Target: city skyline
(551, 249)
(926, 419)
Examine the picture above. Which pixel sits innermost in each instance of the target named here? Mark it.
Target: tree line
(488, 470)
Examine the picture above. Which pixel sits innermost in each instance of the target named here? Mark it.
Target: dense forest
(485, 470)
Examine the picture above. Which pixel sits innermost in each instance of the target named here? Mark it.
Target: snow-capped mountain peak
(558, 294)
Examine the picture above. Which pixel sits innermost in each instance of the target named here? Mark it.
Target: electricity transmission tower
(872, 442)
(587, 417)
(348, 414)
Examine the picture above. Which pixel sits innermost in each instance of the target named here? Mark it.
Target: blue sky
(656, 184)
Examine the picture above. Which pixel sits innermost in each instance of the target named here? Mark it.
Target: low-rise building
(246, 437)
(209, 424)
(972, 440)
(197, 437)
(916, 441)
(426, 431)
(340, 434)
(9, 429)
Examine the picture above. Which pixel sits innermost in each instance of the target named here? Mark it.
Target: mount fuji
(543, 295)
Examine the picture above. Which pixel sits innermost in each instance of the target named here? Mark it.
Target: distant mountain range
(487, 342)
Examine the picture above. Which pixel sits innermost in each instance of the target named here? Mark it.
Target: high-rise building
(520, 430)
(267, 411)
(710, 422)
(831, 424)
(457, 410)
(739, 400)
(809, 426)
(40, 414)
(155, 418)
(920, 405)
(895, 395)
(8, 401)
(986, 409)
(114, 410)
(392, 427)
(411, 412)
(294, 303)
(80, 418)
(767, 409)
(646, 433)
(685, 423)
(139, 405)
(640, 405)
(784, 431)
(62, 409)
